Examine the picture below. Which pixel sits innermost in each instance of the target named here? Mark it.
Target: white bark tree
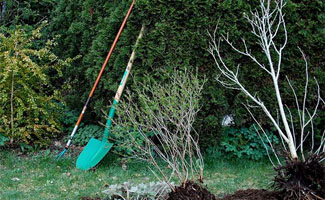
(267, 23)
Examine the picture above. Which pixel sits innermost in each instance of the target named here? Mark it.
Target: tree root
(302, 180)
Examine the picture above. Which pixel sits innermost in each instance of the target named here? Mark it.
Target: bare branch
(322, 144)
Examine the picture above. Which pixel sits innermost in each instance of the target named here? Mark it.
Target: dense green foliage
(31, 12)
(176, 36)
(247, 143)
(85, 133)
(30, 103)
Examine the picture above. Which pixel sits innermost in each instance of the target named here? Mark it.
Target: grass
(40, 176)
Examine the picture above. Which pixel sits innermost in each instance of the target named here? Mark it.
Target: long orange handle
(111, 50)
(99, 76)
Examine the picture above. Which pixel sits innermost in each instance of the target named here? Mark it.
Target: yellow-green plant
(29, 104)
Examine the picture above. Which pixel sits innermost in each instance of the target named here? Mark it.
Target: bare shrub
(157, 122)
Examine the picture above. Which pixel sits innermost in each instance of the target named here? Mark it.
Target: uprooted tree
(269, 27)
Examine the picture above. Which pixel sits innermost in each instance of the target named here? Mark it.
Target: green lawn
(41, 177)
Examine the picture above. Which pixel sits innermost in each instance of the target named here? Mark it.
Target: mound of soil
(191, 191)
(252, 194)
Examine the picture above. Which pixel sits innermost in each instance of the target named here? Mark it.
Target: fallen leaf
(15, 179)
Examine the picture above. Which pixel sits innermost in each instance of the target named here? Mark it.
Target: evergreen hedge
(176, 36)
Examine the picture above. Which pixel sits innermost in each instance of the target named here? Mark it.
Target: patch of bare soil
(191, 191)
(253, 194)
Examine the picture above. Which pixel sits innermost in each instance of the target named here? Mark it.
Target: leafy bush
(30, 109)
(86, 132)
(246, 142)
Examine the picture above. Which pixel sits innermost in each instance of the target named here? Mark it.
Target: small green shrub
(246, 142)
(30, 109)
(85, 133)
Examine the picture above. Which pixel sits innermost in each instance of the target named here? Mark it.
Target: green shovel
(96, 150)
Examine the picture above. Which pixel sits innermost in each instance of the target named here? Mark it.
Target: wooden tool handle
(128, 68)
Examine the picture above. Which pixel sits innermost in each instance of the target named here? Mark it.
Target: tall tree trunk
(291, 145)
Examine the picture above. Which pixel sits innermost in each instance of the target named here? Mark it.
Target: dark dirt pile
(302, 180)
(252, 194)
(191, 191)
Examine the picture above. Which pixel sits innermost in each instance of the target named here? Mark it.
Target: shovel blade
(93, 153)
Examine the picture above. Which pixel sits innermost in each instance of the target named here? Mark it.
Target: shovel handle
(121, 88)
(128, 69)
